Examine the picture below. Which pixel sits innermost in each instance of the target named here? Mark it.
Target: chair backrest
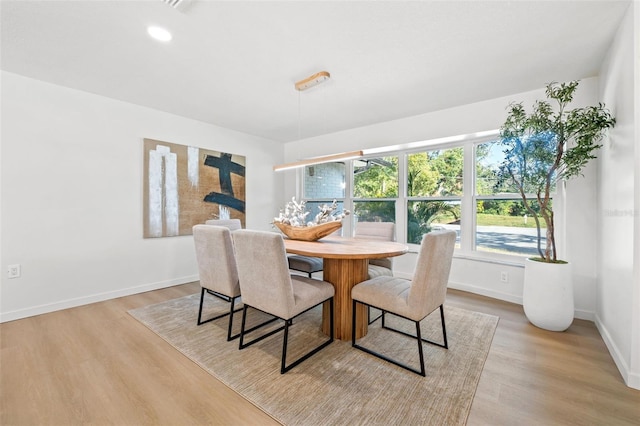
(216, 260)
(429, 283)
(232, 224)
(382, 231)
(264, 271)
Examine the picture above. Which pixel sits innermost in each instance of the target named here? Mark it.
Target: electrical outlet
(504, 277)
(13, 271)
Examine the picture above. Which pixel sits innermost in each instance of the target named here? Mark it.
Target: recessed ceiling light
(159, 33)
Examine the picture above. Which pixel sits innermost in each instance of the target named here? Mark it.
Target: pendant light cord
(299, 118)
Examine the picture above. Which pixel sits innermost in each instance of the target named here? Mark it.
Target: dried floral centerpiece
(292, 221)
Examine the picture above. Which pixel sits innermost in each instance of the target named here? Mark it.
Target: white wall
(71, 211)
(471, 274)
(618, 284)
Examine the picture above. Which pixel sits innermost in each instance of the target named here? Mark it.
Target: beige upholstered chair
(267, 286)
(306, 264)
(413, 300)
(217, 268)
(382, 231)
(232, 224)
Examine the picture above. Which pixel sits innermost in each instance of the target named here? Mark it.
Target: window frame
(468, 200)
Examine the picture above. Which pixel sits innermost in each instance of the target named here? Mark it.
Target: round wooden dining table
(345, 264)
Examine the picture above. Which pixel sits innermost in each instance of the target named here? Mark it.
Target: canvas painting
(186, 185)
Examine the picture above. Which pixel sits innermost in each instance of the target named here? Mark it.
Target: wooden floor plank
(96, 364)
(534, 376)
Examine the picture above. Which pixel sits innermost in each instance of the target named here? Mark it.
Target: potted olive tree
(549, 144)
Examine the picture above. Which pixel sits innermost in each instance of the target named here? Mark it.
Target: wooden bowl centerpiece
(309, 233)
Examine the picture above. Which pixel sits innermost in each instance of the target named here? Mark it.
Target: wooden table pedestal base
(344, 274)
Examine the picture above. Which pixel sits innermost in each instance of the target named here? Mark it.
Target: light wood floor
(97, 365)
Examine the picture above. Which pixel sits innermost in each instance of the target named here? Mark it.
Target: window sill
(515, 261)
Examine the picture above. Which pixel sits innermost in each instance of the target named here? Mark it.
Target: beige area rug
(339, 385)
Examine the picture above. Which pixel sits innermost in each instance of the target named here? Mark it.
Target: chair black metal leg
(231, 300)
(244, 321)
(331, 333)
(243, 332)
(444, 332)
(219, 296)
(444, 329)
(353, 324)
(418, 338)
(225, 298)
(231, 311)
(285, 339)
(284, 368)
(200, 309)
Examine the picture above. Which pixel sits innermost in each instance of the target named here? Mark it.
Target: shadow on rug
(338, 385)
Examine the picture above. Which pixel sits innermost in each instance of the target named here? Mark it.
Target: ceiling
(234, 63)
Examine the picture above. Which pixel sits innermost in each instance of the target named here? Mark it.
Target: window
(501, 224)
(449, 186)
(324, 183)
(375, 189)
(434, 192)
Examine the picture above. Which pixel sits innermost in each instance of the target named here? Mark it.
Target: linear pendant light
(317, 160)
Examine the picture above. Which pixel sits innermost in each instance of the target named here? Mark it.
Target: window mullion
(401, 202)
(347, 225)
(467, 216)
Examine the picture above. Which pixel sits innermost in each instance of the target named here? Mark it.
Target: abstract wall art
(186, 185)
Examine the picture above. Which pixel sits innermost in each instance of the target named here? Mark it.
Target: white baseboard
(585, 315)
(578, 313)
(486, 292)
(634, 380)
(473, 289)
(93, 298)
(631, 379)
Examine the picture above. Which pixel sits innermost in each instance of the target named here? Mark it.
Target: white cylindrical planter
(548, 295)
